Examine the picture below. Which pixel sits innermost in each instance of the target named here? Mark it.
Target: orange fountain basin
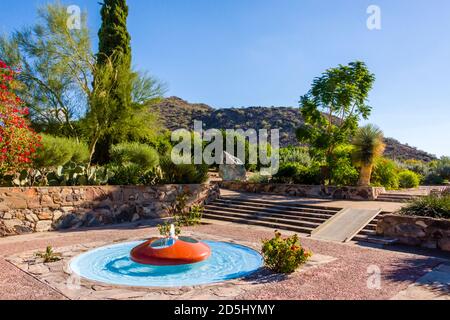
(170, 252)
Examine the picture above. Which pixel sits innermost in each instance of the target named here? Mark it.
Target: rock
(67, 222)
(232, 172)
(135, 218)
(43, 226)
(46, 201)
(421, 224)
(45, 215)
(57, 215)
(23, 229)
(125, 213)
(7, 216)
(444, 244)
(31, 217)
(11, 224)
(409, 230)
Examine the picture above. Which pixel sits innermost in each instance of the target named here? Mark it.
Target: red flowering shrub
(18, 142)
(284, 255)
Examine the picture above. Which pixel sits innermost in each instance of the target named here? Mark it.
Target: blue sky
(234, 53)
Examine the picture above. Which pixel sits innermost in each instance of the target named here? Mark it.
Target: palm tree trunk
(365, 175)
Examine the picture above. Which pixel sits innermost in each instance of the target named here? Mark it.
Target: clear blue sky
(234, 53)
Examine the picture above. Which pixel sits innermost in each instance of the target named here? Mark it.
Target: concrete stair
(296, 217)
(397, 197)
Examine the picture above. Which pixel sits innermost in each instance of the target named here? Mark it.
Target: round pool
(113, 265)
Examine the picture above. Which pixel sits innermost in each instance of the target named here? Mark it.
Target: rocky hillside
(177, 113)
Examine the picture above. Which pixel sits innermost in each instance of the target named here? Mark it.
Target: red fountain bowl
(183, 251)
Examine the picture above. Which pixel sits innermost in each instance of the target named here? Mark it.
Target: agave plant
(368, 147)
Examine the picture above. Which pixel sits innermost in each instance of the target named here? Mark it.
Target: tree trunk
(365, 175)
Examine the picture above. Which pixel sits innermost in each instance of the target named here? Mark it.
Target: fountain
(167, 262)
(170, 251)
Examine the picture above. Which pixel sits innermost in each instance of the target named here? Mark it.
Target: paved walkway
(346, 277)
(385, 206)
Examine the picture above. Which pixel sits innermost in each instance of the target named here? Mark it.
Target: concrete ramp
(345, 225)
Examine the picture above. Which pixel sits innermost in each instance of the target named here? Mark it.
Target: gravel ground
(345, 278)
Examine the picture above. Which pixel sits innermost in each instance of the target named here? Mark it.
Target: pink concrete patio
(342, 274)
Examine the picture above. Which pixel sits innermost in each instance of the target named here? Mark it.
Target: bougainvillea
(18, 142)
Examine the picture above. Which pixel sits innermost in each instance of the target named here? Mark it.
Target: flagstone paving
(337, 271)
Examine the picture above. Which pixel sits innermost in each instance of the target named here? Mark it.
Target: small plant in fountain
(182, 216)
(49, 255)
(284, 255)
(164, 229)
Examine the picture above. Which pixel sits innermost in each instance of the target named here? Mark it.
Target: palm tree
(368, 145)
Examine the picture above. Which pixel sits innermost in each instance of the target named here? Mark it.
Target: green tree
(113, 34)
(55, 65)
(115, 56)
(57, 82)
(332, 109)
(368, 147)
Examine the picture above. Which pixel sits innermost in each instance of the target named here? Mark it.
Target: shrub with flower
(284, 255)
(18, 142)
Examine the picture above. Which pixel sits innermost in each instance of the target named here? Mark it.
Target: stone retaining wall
(416, 231)
(26, 210)
(308, 191)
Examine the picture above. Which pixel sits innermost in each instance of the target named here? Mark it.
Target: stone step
(401, 195)
(269, 210)
(283, 216)
(392, 200)
(368, 232)
(284, 205)
(278, 226)
(268, 214)
(300, 223)
(275, 206)
(375, 240)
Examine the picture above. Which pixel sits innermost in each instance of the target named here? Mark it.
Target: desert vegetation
(74, 116)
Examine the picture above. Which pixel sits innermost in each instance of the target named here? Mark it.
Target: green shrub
(284, 255)
(311, 175)
(344, 173)
(192, 217)
(434, 206)
(259, 178)
(77, 175)
(49, 256)
(58, 151)
(433, 179)
(140, 155)
(443, 168)
(298, 155)
(125, 175)
(298, 174)
(408, 179)
(417, 166)
(385, 174)
(288, 172)
(183, 173)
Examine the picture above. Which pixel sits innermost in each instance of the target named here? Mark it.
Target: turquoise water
(112, 265)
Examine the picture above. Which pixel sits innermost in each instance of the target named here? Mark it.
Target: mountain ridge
(176, 113)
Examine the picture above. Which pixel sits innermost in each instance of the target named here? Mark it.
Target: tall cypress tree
(115, 48)
(113, 35)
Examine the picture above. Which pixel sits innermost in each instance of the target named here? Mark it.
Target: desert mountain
(177, 113)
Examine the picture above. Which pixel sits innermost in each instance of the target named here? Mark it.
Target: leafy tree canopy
(333, 108)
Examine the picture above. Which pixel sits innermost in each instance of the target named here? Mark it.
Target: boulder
(232, 172)
(43, 226)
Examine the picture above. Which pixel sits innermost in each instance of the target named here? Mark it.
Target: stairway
(296, 217)
(397, 197)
